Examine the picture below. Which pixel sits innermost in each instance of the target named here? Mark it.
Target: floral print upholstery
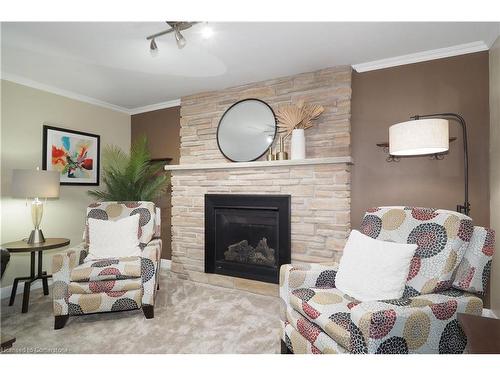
(313, 333)
(297, 343)
(107, 269)
(84, 286)
(304, 276)
(420, 324)
(328, 308)
(442, 237)
(303, 337)
(318, 318)
(104, 286)
(473, 273)
(79, 304)
(148, 224)
(62, 264)
(150, 265)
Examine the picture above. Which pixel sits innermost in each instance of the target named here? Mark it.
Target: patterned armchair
(90, 286)
(448, 275)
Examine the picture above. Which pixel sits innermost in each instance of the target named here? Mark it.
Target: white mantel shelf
(259, 164)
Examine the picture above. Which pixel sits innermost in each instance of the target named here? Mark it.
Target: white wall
(24, 111)
(495, 171)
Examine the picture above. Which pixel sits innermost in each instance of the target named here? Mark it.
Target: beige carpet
(189, 318)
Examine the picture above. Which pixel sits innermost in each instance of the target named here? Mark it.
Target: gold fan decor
(295, 116)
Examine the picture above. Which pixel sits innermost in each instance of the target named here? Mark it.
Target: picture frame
(75, 154)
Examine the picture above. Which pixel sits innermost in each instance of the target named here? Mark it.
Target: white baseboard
(489, 314)
(6, 290)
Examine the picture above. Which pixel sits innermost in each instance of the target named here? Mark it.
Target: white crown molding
(154, 107)
(412, 58)
(55, 90)
(86, 99)
(439, 53)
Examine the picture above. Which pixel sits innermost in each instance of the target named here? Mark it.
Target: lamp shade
(419, 137)
(28, 183)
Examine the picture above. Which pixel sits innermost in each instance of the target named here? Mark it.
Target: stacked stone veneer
(200, 114)
(320, 193)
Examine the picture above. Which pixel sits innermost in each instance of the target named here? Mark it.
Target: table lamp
(427, 135)
(36, 184)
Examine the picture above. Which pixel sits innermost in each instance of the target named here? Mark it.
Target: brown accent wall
(162, 128)
(388, 96)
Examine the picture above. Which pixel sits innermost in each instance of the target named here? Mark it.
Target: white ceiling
(110, 61)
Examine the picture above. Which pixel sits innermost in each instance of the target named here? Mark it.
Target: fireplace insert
(247, 236)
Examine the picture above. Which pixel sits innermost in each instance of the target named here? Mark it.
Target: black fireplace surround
(247, 236)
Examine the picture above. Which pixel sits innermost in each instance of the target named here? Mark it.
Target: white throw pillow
(114, 239)
(373, 270)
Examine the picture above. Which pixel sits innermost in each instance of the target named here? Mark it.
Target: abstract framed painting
(74, 154)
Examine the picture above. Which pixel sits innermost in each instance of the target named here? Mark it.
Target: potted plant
(130, 177)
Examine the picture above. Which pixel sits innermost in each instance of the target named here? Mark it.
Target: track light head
(153, 45)
(153, 48)
(175, 27)
(179, 38)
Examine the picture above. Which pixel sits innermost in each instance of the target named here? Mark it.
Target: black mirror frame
(274, 135)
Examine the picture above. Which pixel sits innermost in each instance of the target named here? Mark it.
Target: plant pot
(298, 144)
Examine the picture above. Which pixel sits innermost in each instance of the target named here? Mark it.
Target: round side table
(24, 247)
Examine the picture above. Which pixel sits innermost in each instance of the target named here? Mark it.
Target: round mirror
(246, 130)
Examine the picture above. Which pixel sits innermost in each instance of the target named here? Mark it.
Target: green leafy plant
(130, 177)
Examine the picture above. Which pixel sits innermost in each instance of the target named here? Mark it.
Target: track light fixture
(153, 48)
(179, 38)
(176, 27)
(153, 45)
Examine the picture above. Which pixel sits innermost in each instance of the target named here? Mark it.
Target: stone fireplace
(318, 187)
(247, 236)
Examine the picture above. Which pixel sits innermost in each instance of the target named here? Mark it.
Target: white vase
(298, 144)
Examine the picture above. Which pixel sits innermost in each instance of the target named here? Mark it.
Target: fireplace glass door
(247, 238)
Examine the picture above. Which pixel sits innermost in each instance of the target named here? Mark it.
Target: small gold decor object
(282, 154)
(270, 156)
